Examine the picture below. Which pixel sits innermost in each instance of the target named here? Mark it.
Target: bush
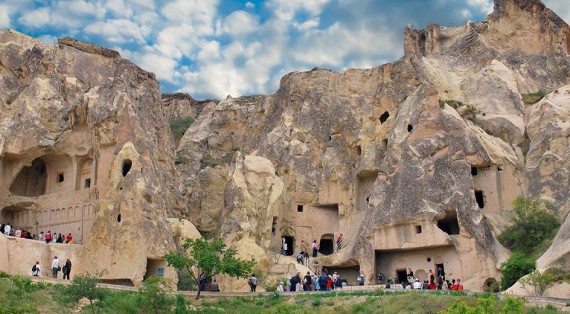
(533, 98)
(517, 266)
(538, 282)
(532, 225)
(153, 295)
(451, 102)
(178, 126)
(469, 112)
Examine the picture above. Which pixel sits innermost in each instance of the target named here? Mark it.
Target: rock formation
(84, 150)
(416, 163)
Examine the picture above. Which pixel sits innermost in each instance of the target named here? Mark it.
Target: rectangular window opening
(299, 208)
(87, 183)
(419, 229)
(59, 178)
(479, 198)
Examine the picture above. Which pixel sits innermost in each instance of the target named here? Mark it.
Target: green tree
(532, 225)
(178, 126)
(517, 266)
(153, 295)
(86, 287)
(539, 282)
(211, 258)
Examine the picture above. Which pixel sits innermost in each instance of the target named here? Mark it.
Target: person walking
(315, 248)
(253, 281)
(55, 267)
(67, 269)
(36, 269)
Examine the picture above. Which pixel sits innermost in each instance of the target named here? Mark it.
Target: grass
(533, 98)
(26, 297)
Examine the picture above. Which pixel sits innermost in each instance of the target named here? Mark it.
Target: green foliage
(210, 161)
(360, 307)
(153, 295)
(451, 102)
(469, 112)
(180, 307)
(85, 287)
(512, 305)
(208, 257)
(486, 306)
(538, 282)
(185, 281)
(532, 225)
(551, 308)
(119, 302)
(178, 126)
(533, 98)
(517, 266)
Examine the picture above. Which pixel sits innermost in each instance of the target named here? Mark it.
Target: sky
(215, 48)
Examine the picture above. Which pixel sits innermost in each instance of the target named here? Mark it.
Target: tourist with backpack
(36, 269)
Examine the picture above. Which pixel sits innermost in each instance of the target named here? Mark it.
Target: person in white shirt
(7, 229)
(55, 267)
(417, 284)
(36, 270)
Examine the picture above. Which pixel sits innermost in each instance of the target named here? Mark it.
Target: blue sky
(215, 48)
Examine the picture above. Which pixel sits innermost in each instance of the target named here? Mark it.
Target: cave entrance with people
(290, 241)
(347, 274)
(326, 246)
(391, 263)
(401, 275)
(31, 180)
(17, 217)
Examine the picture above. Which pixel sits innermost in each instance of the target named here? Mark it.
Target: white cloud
(249, 5)
(561, 8)
(117, 31)
(240, 23)
(312, 23)
(286, 10)
(484, 6)
(163, 67)
(191, 11)
(5, 21)
(36, 18)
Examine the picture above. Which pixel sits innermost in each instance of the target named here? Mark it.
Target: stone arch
(45, 217)
(69, 214)
(76, 212)
(90, 208)
(421, 274)
(52, 215)
(31, 180)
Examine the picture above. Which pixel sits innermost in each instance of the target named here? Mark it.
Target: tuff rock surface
(416, 159)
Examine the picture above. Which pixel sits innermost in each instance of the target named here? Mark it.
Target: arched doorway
(326, 246)
(31, 180)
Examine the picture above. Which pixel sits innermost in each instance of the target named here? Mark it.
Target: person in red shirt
(68, 238)
(431, 285)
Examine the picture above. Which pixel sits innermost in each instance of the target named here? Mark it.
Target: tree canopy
(210, 258)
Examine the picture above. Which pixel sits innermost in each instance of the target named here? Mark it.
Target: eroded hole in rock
(473, 171)
(31, 180)
(358, 150)
(384, 117)
(385, 142)
(449, 224)
(299, 208)
(274, 225)
(147, 197)
(289, 245)
(326, 244)
(119, 218)
(479, 198)
(410, 128)
(154, 267)
(59, 177)
(127, 164)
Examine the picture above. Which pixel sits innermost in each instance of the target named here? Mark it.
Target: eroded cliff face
(414, 162)
(85, 150)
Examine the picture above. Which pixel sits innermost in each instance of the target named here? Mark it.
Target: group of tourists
(312, 282)
(48, 237)
(55, 268)
(436, 281)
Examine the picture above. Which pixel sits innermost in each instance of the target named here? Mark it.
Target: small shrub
(178, 126)
(533, 98)
(531, 226)
(360, 307)
(469, 112)
(451, 102)
(180, 307)
(538, 282)
(316, 302)
(551, 308)
(517, 266)
(153, 295)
